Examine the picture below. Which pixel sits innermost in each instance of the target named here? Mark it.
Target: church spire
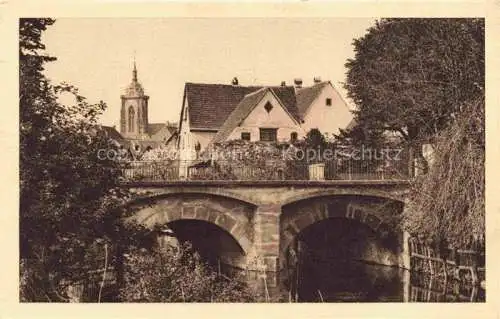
(134, 72)
(134, 88)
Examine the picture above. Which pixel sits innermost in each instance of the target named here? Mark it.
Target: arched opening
(331, 263)
(216, 246)
(131, 118)
(342, 248)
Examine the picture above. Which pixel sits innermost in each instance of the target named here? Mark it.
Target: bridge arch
(147, 193)
(396, 194)
(378, 213)
(231, 215)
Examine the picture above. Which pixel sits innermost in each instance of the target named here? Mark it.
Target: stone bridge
(243, 222)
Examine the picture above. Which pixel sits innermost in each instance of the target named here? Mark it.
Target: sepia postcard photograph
(256, 160)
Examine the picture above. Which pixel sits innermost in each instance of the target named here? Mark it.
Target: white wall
(202, 137)
(260, 118)
(186, 147)
(328, 119)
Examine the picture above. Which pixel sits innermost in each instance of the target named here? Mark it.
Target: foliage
(410, 76)
(177, 275)
(359, 135)
(423, 79)
(161, 153)
(239, 159)
(66, 192)
(448, 202)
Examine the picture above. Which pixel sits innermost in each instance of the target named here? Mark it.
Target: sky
(96, 55)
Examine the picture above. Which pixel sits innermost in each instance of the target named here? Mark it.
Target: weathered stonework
(265, 218)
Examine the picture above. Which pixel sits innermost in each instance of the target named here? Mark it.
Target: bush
(447, 204)
(177, 275)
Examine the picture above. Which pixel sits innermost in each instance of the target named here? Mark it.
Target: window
(131, 119)
(293, 137)
(328, 102)
(268, 134)
(268, 107)
(245, 136)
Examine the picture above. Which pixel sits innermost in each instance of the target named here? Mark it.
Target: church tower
(134, 111)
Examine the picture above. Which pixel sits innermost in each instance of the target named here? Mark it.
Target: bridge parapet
(266, 170)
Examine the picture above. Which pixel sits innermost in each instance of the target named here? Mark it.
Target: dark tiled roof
(154, 128)
(241, 111)
(244, 109)
(307, 95)
(112, 133)
(161, 130)
(211, 104)
(286, 95)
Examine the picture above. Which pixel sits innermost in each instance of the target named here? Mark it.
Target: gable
(269, 112)
(306, 96)
(259, 109)
(327, 118)
(209, 105)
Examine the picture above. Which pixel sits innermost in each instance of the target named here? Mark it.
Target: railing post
(349, 169)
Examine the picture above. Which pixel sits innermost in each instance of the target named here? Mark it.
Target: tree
(66, 191)
(447, 204)
(359, 135)
(410, 76)
(71, 217)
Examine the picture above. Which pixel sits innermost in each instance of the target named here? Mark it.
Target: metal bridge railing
(265, 170)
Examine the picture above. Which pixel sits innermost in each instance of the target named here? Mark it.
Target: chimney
(298, 83)
(283, 83)
(234, 81)
(317, 79)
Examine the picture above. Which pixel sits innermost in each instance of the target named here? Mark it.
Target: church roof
(134, 89)
(154, 128)
(211, 104)
(162, 129)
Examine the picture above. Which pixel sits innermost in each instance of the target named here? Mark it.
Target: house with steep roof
(216, 112)
(322, 107)
(261, 116)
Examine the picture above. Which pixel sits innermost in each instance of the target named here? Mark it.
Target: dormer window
(268, 107)
(328, 102)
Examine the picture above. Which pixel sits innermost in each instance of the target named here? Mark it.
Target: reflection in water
(349, 281)
(327, 263)
(353, 281)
